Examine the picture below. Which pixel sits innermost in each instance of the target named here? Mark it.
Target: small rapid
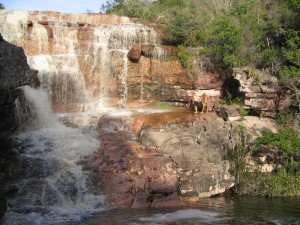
(48, 184)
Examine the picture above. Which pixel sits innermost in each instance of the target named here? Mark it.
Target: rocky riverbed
(165, 159)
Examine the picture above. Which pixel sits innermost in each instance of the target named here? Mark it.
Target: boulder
(229, 112)
(135, 53)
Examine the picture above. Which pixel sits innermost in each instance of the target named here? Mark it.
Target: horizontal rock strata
(261, 91)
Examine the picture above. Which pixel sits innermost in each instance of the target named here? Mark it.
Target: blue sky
(67, 6)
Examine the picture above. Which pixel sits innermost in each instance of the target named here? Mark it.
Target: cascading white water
(60, 76)
(117, 40)
(50, 186)
(37, 106)
(123, 78)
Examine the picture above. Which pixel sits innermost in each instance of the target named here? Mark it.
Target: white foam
(62, 149)
(41, 104)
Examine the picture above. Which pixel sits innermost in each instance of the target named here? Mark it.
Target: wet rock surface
(14, 72)
(161, 159)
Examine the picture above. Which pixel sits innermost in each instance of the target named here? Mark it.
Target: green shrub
(181, 28)
(186, 60)
(172, 3)
(284, 140)
(227, 41)
(284, 181)
(229, 100)
(237, 156)
(281, 184)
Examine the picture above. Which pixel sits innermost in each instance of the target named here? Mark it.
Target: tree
(181, 28)
(294, 4)
(290, 73)
(291, 48)
(290, 77)
(115, 6)
(1, 6)
(227, 41)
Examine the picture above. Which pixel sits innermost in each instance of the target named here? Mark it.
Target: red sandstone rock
(141, 200)
(135, 53)
(133, 175)
(170, 50)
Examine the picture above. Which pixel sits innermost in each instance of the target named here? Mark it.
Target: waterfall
(79, 65)
(89, 72)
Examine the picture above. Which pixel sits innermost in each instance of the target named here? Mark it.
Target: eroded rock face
(14, 72)
(84, 59)
(158, 74)
(80, 59)
(261, 91)
(196, 147)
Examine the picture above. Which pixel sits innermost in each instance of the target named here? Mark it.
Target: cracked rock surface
(164, 159)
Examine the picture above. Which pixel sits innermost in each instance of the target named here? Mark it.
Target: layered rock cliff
(261, 92)
(80, 59)
(83, 59)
